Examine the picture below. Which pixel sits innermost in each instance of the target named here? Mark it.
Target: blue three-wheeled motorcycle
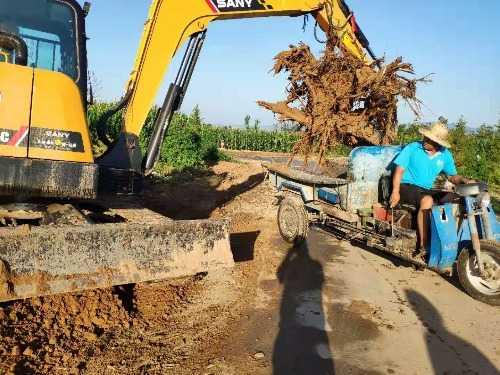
(464, 231)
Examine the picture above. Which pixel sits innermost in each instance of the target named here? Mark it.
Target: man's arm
(396, 183)
(401, 162)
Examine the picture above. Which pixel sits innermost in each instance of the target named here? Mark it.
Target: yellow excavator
(69, 221)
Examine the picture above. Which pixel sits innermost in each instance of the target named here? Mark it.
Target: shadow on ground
(439, 340)
(243, 245)
(302, 345)
(396, 261)
(195, 197)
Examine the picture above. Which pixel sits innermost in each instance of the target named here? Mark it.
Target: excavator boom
(169, 25)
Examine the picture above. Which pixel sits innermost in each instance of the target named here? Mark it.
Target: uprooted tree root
(339, 99)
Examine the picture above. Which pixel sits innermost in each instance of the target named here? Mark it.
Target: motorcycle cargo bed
(303, 176)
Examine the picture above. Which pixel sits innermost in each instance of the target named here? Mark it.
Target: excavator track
(62, 248)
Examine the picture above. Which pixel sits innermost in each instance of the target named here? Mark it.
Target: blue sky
(458, 41)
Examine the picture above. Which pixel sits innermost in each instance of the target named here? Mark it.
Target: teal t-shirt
(422, 169)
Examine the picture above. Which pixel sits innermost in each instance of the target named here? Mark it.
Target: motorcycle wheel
(484, 289)
(293, 222)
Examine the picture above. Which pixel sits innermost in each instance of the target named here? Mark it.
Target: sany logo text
(234, 3)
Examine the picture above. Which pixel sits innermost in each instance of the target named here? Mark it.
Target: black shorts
(412, 194)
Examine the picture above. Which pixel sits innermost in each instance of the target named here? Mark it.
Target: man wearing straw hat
(417, 167)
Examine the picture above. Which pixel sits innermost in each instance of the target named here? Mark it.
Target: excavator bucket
(144, 246)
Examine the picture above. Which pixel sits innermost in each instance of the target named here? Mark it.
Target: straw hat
(438, 133)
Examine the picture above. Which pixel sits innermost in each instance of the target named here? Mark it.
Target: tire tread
(303, 222)
(463, 258)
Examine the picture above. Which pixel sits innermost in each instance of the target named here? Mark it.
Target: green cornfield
(233, 138)
(249, 139)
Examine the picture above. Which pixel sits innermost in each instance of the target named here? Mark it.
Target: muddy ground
(325, 308)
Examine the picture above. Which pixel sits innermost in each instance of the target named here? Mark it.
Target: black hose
(102, 121)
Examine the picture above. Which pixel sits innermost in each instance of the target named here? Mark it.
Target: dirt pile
(131, 328)
(63, 333)
(54, 330)
(340, 99)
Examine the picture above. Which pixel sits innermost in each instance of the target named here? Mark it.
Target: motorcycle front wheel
(485, 288)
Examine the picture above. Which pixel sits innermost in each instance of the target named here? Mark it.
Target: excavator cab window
(52, 32)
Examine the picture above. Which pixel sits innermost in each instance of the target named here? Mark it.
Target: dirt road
(336, 308)
(326, 307)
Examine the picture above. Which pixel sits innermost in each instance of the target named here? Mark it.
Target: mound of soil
(53, 330)
(340, 99)
(136, 328)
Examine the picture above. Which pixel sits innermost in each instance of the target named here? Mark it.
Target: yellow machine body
(58, 127)
(16, 84)
(42, 116)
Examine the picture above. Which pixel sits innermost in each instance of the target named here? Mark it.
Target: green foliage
(253, 138)
(247, 121)
(256, 125)
(191, 142)
(147, 130)
(95, 111)
(195, 117)
(408, 133)
(182, 148)
(114, 124)
(185, 145)
(338, 150)
(476, 153)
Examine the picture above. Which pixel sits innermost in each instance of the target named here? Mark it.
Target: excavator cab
(45, 146)
(45, 34)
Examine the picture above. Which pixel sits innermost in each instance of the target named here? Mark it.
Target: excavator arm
(168, 26)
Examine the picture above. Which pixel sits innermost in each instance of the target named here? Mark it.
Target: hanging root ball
(339, 99)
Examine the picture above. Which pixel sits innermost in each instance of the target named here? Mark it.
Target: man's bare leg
(426, 204)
